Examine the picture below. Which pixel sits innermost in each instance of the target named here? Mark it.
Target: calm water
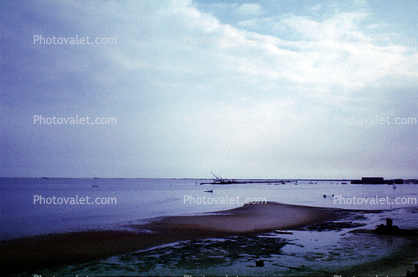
(130, 200)
(139, 200)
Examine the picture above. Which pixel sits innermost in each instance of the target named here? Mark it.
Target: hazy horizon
(209, 178)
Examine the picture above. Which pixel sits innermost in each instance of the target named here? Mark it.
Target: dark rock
(413, 273)
(390, 229)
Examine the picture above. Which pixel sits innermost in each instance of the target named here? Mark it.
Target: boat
(283, 232)
(209, 190)
(221, 181)
(94, 183)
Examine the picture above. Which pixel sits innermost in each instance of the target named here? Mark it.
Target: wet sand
(396, 264)
(54, 250)
(70, 248)
(250, 218)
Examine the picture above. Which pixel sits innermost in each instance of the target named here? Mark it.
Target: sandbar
(250, 218)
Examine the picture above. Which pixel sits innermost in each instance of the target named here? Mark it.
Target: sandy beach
(37, 253)
(47, 251)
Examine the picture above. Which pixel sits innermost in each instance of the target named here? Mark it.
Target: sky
(180, 88)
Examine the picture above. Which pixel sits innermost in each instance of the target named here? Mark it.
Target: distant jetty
(381, 180)
(364, 180)
(221, 181)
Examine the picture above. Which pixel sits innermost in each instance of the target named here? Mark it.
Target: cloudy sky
(246, 89)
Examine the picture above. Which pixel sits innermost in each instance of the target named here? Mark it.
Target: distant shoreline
(260, 180)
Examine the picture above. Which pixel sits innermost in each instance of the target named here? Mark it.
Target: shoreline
(47, 251)
(61, 249)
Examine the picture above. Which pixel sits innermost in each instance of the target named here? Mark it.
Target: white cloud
(244, 101)
(248, 10)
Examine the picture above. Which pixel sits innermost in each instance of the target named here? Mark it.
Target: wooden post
(388, 222)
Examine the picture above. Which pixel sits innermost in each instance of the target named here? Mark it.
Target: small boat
(221, 181)
(210, 190)
(283, 232)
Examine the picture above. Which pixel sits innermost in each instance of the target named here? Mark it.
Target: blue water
(139, 200)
